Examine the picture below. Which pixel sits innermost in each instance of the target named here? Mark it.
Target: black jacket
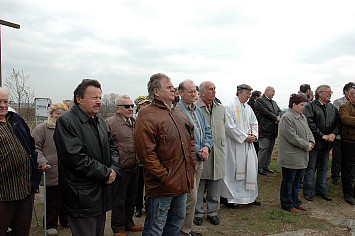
(322, 120)
(266, 112)
(86, 155)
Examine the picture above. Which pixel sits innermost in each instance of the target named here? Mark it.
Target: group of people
(183, 143)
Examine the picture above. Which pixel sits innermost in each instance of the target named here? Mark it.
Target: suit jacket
(267, 112)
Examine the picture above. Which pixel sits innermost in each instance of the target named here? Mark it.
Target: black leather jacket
(86, 155)
(267, 111)
(322, 120)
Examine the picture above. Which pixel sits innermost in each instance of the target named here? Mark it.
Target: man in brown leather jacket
(164, 140)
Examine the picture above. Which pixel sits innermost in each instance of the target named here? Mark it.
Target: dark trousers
(336, 162)
(125, 194)
(140, 194)
(18, 214)
(266, 146)
(88, 226)
(53, 208)
(290, 188)
(347, 164)
(318, 162)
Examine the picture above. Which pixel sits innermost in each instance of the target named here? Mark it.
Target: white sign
(42, 106)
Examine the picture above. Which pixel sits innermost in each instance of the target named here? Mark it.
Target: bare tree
(21, 93)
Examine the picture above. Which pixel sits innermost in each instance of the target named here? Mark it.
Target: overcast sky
(122, 43)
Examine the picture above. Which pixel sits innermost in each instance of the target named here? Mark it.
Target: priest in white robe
(240, 182)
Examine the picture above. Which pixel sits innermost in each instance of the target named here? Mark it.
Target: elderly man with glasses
(323, 120)
(121, 126)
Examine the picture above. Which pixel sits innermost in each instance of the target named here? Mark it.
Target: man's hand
(43, 166)
(331, 137)
(278, 120)
(310, 147)
(203, 153)
(251, 138)
(112, 177)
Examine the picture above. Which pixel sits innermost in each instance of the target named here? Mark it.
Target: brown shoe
(120, 234)
(301, 207)
(293, 210)
(136, 228)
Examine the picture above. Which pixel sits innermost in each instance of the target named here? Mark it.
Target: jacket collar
(82, 115)
(295, 114)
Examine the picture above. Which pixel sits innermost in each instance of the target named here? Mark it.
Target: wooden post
(12, 25)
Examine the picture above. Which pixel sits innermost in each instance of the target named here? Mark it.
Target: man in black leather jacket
(88, 161)
(323, 120)
(268, 114)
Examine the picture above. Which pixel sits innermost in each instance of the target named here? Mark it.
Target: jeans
(318, 161)
(290, 188)
(164, 215)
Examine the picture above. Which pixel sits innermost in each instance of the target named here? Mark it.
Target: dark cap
(244, 86)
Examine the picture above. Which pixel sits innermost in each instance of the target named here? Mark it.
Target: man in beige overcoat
(214, 167)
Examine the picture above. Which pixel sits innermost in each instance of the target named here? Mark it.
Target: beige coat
(214, 167)
(294, 136)
(47, 153)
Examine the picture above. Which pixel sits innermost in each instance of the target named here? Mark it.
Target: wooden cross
(9, 24)
(238, 111)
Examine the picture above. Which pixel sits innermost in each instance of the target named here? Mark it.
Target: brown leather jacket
(165, 145)
(123, 138)
(347, 117)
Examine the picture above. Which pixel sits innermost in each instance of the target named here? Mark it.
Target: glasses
(331, 92)
(126, 106)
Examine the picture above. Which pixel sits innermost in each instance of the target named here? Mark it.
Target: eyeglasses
(126, 106)
(331, 92)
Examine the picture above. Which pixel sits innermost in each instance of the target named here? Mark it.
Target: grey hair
(202, 87)
(321, 89)
(155, 83)
(120, 97)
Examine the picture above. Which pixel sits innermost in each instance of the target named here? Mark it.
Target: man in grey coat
(214, 167)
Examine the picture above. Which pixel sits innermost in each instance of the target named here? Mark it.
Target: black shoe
(325, 197)
(335, 181)
(349, 199)
(268, 170)
(262, 172)
(213, 219)
(195, 234)
(256, 203)
(138, 213)
(308, 198)
(198, 220)
(232, 205)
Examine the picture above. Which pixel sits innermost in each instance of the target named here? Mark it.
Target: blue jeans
(318, 162)
(165, 215)
(290, 188)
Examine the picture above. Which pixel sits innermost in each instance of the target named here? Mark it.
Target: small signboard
(42, 106)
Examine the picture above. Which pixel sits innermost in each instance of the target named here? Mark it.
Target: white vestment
(240, 181)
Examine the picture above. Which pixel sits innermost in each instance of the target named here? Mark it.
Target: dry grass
(322, 218)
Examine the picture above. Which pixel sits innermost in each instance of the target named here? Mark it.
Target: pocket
(88, 195)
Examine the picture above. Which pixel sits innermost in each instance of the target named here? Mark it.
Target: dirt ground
(322, 217)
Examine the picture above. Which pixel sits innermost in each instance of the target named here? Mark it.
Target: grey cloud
(341, 46)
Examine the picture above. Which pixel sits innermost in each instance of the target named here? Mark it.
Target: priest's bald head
(243, 92)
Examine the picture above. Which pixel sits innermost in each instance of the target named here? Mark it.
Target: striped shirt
(15, 166)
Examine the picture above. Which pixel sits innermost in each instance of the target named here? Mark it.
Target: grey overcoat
(294, 136)
(214, 167)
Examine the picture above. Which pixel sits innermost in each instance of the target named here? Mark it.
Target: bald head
(207, 91)
(4, 104)
(269, 92)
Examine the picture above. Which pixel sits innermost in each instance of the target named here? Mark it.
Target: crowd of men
(189, 147)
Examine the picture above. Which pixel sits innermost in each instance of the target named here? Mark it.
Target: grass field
(322, 218)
